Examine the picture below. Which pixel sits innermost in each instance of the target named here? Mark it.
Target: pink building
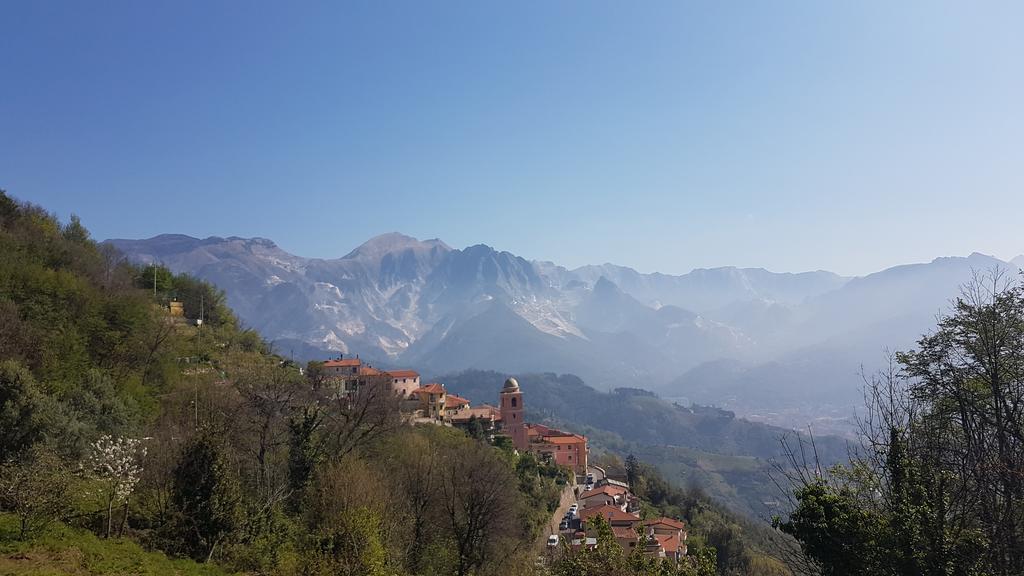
(512, 414)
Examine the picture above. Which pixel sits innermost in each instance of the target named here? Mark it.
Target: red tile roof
(404, 373)
(606, 489)
(571, 439)
(345, 363)
(485, 411)
(611, 513)
(624, 532)
(452, 400)
(676, 524)
(670, 542)
(430, 389)
(539, 429)
(369, 371)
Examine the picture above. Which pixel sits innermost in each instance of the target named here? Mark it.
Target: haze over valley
(785, 348)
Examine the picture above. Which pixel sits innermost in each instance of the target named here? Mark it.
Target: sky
(847, 136)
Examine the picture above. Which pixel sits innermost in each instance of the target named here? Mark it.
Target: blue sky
(663, 136)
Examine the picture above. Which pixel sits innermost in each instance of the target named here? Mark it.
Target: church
(564, 448)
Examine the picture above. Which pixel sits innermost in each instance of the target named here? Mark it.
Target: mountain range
(781, 347)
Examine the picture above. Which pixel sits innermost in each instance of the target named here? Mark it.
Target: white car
(552, 540)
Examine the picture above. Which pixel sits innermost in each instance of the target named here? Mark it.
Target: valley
(781, 348)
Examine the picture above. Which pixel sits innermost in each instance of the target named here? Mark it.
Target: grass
(62, 549)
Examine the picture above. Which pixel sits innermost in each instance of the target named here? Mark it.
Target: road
(567, 499)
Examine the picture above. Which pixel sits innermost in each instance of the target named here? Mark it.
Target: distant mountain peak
(378, 246)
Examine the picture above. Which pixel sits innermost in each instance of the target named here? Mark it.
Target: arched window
(513, 401)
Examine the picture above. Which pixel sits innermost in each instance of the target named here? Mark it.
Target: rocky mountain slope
(761, 343)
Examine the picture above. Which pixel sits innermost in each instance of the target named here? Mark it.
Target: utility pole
(199, 347)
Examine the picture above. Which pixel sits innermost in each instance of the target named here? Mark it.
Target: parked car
(563, 525)
(552, 540)
(590, 478)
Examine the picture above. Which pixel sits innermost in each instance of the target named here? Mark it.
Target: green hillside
(135, 439)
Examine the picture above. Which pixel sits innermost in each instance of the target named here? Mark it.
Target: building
(488, 416)
(670, 536)
(511, 402)
(454, 406)
(564, 449)
(606, 495)
(176, 308)
(350, 374)
(623, 524)
(431, 400)
(342, 367)
(403, 382)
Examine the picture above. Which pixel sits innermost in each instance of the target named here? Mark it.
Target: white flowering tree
(117, 463)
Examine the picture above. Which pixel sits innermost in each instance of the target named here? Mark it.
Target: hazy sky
(665, 136)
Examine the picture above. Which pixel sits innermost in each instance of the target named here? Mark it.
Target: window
(513, 402)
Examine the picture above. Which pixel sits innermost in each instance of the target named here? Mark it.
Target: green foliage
(35, 489)
(62, 549)
(738, 545)
(351, 547)
(936, 489)
(206, 498)
(247, 464)
(26, 414)
(835, 530)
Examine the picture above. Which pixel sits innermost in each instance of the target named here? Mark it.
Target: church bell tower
(512, 414)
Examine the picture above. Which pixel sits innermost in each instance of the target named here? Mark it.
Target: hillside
(144, 431)
(695, 446)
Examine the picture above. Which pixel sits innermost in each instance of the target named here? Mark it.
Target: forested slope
(122, 425)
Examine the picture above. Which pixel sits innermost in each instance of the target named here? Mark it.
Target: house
(403, 382)
(349, 375)
(623, 524)
(488, 416)
(606, 495)
(431, 400)
(454, 406)
(670, 536)
(176, 308)
(342, 367)
(612, 482)
(613, 514)
(564, 448)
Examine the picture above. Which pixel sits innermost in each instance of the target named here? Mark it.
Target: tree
(937, 483)
(476, 430)
(115, 462)
(34, 486)
(478, 504)
(24, 410)
(206, 498)
(352, 548)
(632, 471)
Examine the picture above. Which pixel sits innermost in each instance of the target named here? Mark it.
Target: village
(591, 494)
